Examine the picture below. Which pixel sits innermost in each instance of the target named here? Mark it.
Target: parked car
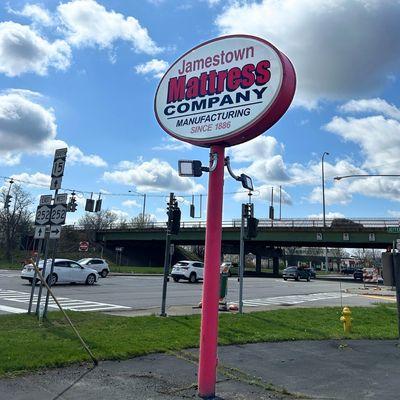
(188, 270)
(348, 270)
(296, 273)
(312, 273)
(65, 271)
(98, 264)
(358, 275)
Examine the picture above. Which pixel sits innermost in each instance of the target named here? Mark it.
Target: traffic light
(72, 206)
(192, 210)
(89, 205)
(98, 205)
(252, 227)
(271, 212)
(175, 220)
(7, 201)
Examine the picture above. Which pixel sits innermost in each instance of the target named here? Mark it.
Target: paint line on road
(66, 303)
(390, 298)
(292, 300)
(13, 310)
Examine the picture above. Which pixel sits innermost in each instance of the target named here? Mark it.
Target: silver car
(98, 264)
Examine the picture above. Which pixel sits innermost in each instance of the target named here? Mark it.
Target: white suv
(189, 270)
(97, 264)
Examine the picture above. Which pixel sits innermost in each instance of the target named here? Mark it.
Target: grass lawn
(4, 264)
(26, 346)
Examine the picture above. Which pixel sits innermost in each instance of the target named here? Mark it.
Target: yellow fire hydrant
(346, 319)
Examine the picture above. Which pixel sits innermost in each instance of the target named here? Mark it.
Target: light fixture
(247, 182)
(190, 168)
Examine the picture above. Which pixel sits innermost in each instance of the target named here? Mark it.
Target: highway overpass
(146, 244)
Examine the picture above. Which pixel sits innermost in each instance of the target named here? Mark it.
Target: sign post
(221, 93)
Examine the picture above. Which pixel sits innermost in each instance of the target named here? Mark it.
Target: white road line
(294, 299)
(66, 303)
(12, 309)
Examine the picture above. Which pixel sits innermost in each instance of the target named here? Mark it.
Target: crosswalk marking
(12, 309)
(66, 303)
(292, 300)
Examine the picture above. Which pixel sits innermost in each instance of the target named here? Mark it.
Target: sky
(82, 74)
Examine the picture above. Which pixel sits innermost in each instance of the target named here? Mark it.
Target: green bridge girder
(267, 236)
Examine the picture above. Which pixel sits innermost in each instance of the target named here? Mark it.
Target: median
(26, 345)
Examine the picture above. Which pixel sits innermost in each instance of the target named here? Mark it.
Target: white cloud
(74, 155)
(154, 67)
(122, 215)
(376, 105)
(9, 159)
(36, 13)
(24, 124)
(153, 176)
(262, 147)
(394, 213)
(328, 215)
(378, 137)
(333, 195)
(33, 180)
(263, 193)
(28, 127)
(131, 203)
(23, 50)
(332, 43)
(172, 144)
(88, 23)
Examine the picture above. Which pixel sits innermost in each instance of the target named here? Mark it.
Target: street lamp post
(323, 202)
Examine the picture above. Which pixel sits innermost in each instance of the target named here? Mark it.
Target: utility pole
(280, 202)
(323, 204)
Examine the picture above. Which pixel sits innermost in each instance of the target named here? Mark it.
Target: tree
(366, 257)
(16, 220)
(93, 222)
(141, 221)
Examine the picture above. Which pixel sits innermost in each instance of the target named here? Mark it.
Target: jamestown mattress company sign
(225, 91)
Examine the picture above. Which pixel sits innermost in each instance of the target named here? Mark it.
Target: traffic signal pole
(208, 361)
(167, 255)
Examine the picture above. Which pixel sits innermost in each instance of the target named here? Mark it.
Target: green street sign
(393, 229)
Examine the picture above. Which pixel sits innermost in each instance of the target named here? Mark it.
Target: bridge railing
(267, 223)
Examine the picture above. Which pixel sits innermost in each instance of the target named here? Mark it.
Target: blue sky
(83, 74)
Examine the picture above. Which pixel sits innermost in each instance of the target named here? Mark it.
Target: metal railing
(267, 223)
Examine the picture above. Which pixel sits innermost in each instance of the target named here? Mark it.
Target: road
(129, 293)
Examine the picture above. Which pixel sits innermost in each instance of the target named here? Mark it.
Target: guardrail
(267, 223)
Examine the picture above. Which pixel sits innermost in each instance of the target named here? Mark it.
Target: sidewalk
(351, 370)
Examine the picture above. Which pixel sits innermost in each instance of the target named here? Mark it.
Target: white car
(65, 271)
(188, 270)
(97, 264)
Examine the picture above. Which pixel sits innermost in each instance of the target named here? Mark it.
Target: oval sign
(225, 91)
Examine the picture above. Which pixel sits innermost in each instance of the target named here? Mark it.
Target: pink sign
(225, 91)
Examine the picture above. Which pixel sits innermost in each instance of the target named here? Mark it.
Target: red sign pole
(209, 317)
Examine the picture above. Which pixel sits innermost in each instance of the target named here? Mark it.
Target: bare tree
(93, 222)
(16, 220)
(366, 256)
(141, 221)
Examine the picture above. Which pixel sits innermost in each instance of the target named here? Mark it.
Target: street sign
(55, 232)
(61, 198)
(45, 199)
(40, 232)
(398, 244)
(58, 214)
(55, 183)
(58, 168)
(393, 229)
(43, 214)
(120, 249)
(211, 96)
(61, 153)
(83, 246)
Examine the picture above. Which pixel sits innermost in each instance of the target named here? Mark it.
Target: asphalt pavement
(142, 294)
(343, 370)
